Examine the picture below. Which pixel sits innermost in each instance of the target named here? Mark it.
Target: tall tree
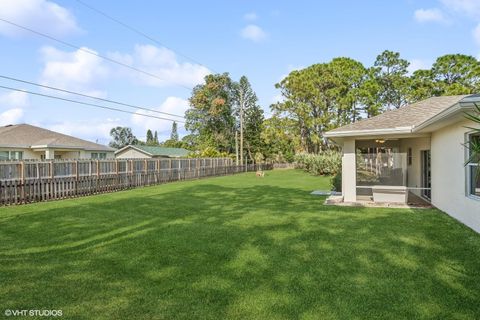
(422, 86)
(121, 137)
(456, 74)
(391, 72)
(149, 140)
(174, 133)
(249, 116)
(155, 138)
(210, 114)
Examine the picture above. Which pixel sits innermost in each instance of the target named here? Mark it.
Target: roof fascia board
(133, 147)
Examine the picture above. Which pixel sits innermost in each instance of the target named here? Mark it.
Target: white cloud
(162, 63)
(418, 64)
(251, 16)
(254, 33)
(11, 116)
(15, 99)
(76, 71)
(41, 15)
(468, 7)
(173, 105)
(11, 107)
(93, 130)
(429, 15)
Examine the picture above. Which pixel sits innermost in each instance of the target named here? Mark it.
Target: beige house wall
(131, 153)
(414, 171)
(449, 191)
(29, 154)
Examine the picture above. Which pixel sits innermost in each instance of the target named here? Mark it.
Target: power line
(139, 32)
(87, 104)
(88, 96)
(89, 52)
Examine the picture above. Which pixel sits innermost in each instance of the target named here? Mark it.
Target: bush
(327, 163)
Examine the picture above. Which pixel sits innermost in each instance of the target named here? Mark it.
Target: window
(99, 155)
(473, 168)
(11, 155)
(409, 156)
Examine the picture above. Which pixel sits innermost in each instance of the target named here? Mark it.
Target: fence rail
(101, 176)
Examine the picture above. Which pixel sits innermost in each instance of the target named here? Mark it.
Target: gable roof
(404, 119)
(158, 151)
(28, 136)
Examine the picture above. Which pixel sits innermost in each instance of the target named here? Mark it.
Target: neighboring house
(137, 151)
(24, 141)
(416, 151)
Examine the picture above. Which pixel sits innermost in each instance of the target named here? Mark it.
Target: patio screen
(380, 167)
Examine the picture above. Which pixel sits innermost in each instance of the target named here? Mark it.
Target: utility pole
(236, 146)
(242, 102)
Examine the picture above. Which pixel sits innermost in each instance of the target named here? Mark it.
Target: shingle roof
(25, 135)
(408, 116)
(163, 151)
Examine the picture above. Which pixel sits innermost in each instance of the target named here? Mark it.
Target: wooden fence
(33, 181)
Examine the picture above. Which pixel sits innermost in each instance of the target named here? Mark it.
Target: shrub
(326, 163)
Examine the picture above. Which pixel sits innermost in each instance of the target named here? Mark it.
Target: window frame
(13, 155)
(469, 167)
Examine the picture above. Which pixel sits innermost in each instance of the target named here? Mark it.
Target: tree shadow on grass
(211, 251)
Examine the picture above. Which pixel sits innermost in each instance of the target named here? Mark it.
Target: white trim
(397, 130)
(133, 147)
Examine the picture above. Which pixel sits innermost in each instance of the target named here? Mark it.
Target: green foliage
(279, 139)
(250, 114)
(336, 181)
(456, 74)
(391, 74)
(211, 116)
(121, 137)
(174, 133)
(328, 162)
(209, 152)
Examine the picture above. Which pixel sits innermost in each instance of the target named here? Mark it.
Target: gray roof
(409, 116)
(26, 136)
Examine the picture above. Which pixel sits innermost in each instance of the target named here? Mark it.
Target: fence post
(76, 170)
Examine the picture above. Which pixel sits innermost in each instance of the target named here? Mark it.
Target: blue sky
(263, 40)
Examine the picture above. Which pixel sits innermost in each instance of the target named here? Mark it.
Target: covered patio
(393, 169)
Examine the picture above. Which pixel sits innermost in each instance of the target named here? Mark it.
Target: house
(24, 141)
(416, 152)
(138, 151)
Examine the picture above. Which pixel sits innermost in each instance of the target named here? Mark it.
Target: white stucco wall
(449, 175)
(349, 179)
(414, 171)
(131, 153)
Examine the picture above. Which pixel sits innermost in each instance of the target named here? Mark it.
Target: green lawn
(236, 247)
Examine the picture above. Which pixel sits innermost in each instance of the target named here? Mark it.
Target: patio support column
(349, 171)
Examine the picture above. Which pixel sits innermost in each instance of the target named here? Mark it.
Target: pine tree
(149, 137)
(174, 134)
(155, 138)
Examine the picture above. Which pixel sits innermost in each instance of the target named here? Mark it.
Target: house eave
(370, 132)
